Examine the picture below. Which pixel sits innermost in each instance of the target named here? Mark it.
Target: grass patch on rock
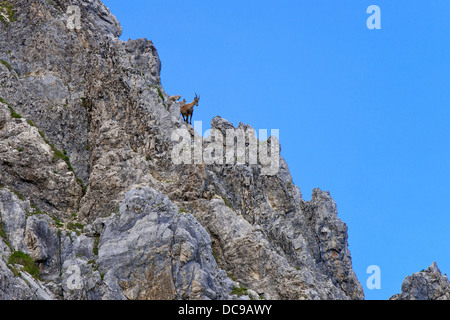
(21, 258)
(7, 12)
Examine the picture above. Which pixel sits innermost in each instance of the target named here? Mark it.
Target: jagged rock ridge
(429, 284)
(90, 193)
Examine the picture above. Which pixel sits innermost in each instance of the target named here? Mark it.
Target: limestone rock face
(429, 284)
(92, 197)
(31, 166)
(151, 250)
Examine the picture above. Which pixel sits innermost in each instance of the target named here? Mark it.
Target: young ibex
(188, 109)
(174, 98)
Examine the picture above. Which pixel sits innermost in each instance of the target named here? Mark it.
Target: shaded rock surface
(154, 251)
(91, 194)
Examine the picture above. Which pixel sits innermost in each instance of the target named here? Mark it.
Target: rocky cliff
(92, 203)
(429, 284)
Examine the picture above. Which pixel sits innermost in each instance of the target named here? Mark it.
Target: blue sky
(361, 113)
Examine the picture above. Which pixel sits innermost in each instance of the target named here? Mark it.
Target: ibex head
(196, 99)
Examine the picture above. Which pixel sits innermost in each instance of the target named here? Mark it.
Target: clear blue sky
(362, 113)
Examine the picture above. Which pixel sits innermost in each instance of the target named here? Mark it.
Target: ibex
(188, 109)
(174, 98)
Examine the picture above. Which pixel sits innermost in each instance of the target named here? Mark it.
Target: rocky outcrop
(31, 166)
(92, 197)
(147, 250)
(429, 284)
(16, 282)
(152, 250)
(265, 234)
